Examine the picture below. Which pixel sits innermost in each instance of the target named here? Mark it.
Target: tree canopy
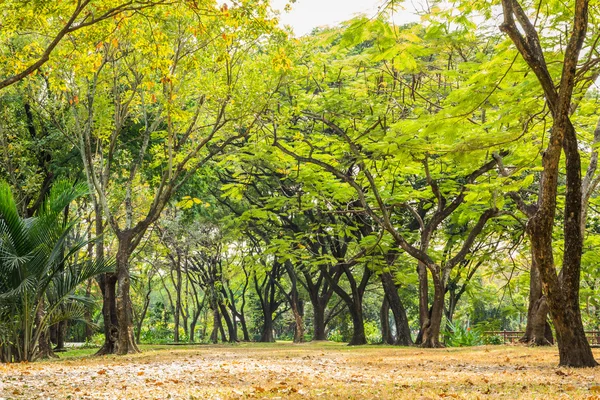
(188, 171)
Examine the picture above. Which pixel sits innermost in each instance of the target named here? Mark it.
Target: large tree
(562, 288)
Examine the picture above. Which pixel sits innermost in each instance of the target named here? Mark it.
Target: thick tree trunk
(432, 326)
(562, 291)
(403, 337)
(318, 320)
(266, 335)
(245, 333)
(537, 331)
(384, 317)
(214, 335)
(358, 325)
(107, 283)
(231, 329)
(126, 339)
(60, 336)
(108, 287)
(44, 345)
(299, 323)
(192, 334)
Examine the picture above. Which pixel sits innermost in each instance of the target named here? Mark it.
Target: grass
(305, 371)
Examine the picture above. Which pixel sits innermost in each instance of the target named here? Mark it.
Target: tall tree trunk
(384, 318)
(108, 287)
(423, 299)
(107, 283)
(403, 337)
(60, 337)
(177, 312)
(89, 332)
(245, 333)
(432, 326)
(318, 320)
(126, 339)
(193, 323)
(266, 335)
(231, 329)
(537, 331)
(358, 325)
(214, 335)
(44, 345)
(298, 323)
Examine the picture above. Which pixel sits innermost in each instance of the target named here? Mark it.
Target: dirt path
(305, 372)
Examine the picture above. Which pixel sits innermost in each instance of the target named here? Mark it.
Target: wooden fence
(513, 336)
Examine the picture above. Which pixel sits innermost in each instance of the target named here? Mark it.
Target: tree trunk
(266, 335)
(432, 326)
(107, 283)
(299, 324)
(403, 337)
(89, 332)
(44, 345)
(60, 336)
(358, 325)
(423, 300)
(318, 320)
(214, 335)
(177, 312)
(126, 339)
(537, 331)
(193, 323)
(384, 317)
(242, 318)
(231, 329)
(108, 287)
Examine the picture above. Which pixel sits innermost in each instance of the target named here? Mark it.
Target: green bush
(458, 335)
(335, 336)
(372, 332)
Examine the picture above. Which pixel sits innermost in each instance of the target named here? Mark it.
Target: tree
(22, 58)
(562, 289)
(40, 271)
(164, 128)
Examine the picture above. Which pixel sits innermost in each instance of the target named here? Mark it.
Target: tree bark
(358, 325)
(319, 322)
(108, 287)
(60, 336)
(384, 318)
(403, 337)
(537, 331)
(231, 329)
(266, 335)
(432, 326)
(423, 299)
(177, 312)
(126, 339)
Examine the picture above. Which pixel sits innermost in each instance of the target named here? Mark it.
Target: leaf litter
(307, 371)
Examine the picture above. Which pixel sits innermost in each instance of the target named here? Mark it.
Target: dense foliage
(367, 183)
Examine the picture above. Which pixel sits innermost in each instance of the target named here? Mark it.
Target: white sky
(309, 14)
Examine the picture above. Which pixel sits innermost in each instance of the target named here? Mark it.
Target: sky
(309, 14)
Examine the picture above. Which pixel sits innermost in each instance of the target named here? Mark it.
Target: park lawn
(305, 371)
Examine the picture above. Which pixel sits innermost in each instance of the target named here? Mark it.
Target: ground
(306, 371)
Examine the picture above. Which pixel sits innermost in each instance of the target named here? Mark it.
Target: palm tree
(40, 268)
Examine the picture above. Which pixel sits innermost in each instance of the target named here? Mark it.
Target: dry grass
(305, 371)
